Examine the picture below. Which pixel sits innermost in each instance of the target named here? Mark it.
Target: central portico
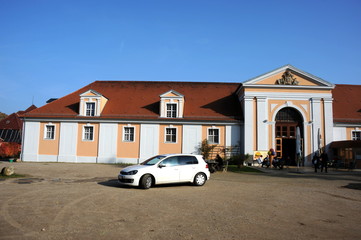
(275, 104)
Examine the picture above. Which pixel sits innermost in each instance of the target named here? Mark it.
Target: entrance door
(279, 147)
(287, 121)
(286, 142)
(289, 151)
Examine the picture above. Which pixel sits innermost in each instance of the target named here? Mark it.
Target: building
(129, 121)
(347, 124)
(11, 126)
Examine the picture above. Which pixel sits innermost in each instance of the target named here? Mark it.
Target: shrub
(9, 149)
(239, 159)
(206, 149)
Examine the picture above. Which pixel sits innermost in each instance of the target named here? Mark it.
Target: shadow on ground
(114, 183)
(356, 186)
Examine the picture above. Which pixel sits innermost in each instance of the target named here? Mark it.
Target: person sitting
(259, 160)
(219, 161)
(266, 162)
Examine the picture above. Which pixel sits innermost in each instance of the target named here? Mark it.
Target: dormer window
(171, 110)
(92, 103)
(171, 104)
(90, 109)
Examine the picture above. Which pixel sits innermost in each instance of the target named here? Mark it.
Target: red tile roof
(140, 100)
(13, 121)
(347, 103)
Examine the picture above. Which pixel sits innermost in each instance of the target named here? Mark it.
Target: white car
(168, 168)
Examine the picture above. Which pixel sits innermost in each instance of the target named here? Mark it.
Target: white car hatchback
(168, 168)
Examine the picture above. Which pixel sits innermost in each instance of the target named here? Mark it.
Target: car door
(188, 167)
(168, 170)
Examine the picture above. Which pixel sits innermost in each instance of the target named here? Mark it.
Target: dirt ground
(84, 201)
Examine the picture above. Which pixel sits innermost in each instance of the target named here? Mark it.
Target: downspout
(22, 141)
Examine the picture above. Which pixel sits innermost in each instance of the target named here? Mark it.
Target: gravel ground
(84, 201)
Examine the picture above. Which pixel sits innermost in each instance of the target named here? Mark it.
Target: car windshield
(153, 160)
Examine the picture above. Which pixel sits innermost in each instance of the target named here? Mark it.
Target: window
(170, 162)
(170, 135)
(286, 130)
(49, 132)
(185, 160)
(171, 104)
(128, 134)
(356, 135)
(91, 103)
(213, 136)
(90, 109)
(88, 133)
(288, 115)
(171, 110)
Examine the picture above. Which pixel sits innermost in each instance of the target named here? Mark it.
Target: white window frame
(171, 111)
(125, 134)
(86, 108)
(354, 137)
(84, 133)
(166, 134)
(46, 131)
(208, 135)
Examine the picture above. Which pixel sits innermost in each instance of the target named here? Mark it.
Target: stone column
(248, 125)
(328, 115)
(262, 127)
(316, 122)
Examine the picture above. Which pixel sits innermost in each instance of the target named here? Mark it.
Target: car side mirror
(161, 165)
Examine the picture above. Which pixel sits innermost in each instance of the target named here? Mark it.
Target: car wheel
(146, 181)
(200, 179)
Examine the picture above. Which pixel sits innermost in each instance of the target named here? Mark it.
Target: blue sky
(50, 48)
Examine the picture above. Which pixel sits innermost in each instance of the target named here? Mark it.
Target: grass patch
(243, 169)
(12, 176)
(123, 165)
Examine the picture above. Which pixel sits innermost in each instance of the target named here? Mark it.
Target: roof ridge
(356, 85)
(162, 81)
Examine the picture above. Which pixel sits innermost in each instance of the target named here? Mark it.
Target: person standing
(324, 161)
(316, 161)
(271, 155)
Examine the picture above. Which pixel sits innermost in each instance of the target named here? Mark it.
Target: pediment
(91, 93)
(171, 94)
(288, 76)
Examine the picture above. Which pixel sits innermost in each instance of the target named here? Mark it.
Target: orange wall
(222, 133)
(88, 148)
(164, 147)
(299, 103)
(49, 146)
(349, 132)
(128, 149)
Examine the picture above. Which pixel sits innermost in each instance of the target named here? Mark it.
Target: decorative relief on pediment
(287, 79)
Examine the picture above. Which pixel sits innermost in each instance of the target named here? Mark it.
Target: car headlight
(129, 173)
(133, 172)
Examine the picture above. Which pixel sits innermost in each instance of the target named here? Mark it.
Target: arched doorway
(287, 121)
